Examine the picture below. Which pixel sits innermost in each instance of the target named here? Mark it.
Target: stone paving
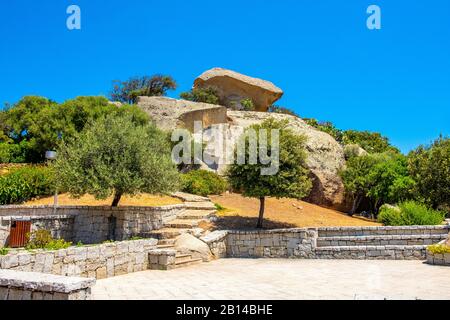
(283, 279)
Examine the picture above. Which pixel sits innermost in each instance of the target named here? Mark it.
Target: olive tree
(291, 180)
(115, 156)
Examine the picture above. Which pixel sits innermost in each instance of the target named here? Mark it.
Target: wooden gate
(18, 233)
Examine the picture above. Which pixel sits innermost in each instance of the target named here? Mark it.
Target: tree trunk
(116, 200)
(356, 204)
(262, 203)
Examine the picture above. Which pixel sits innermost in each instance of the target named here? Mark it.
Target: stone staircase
(378, 243)
(197, 209)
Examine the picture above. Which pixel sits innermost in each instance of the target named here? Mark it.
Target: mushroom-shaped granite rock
(234, 87)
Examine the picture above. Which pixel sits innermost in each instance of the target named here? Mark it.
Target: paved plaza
(277, 279)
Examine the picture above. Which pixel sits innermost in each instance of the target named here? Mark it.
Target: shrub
(42, 239)
(282, 110)
(372, 142)
(128, 91)
(13, 153)
(4, 251)
(439, 248)
(247, 104)
(26, 183)
(203, 183)
(430, 167)
(205, 95)
(409, 213)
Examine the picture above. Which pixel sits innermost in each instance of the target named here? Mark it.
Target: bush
(205, 95)
(13, 153)
(247, 104)
(26, 183)
(4, 251)
(203, 183)
(42, 239)
(409, 213)
(282, 110)
(439, 248)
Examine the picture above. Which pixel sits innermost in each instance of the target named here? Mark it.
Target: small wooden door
(18, 233)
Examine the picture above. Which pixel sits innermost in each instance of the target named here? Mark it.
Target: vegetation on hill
(410, 213)
(116, 156)
(35, 124)
(25, 183)
(205, 95)
(128, 91)
(203, 183)
(429, 166)
(290, 181)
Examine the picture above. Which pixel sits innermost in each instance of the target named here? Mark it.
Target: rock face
(325, 155)
(189, 244)
(169, 114)
(233, 87)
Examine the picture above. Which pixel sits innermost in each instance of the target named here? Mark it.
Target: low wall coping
(163, 252)
(214, 236)
(36, 281)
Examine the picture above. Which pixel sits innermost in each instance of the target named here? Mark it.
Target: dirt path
(280, 213)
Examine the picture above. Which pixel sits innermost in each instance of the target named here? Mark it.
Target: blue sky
(395, 80)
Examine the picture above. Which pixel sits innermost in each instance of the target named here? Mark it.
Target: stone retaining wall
(89, 224)
(16, 285)
(96, 261)
(283, 243)
(216, 241)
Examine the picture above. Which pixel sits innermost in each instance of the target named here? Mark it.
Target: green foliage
(282, 110)
(247, 104)
(219, 207)
(128, 91)
(80, 244)
(409, 213)
(326, 127)
(439, 248)
(35, 124)
(430, 167)
(372, 142)
(206, 95)
(292, 178)
(42, 239)
(4, 251)
(136, 238)
(353, 150)
(25, 183)
(13, 153)
(115, 156)
(203, 183)
(381, 178)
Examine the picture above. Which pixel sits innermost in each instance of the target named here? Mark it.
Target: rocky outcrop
(325, 155)
(188, 244)
(233, 87)
(169, 114)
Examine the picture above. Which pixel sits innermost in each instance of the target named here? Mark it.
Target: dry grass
(242, 213)
(143, 200)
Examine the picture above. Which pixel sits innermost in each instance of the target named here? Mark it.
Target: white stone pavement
(283, 279)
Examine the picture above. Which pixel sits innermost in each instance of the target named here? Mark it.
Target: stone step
(375, 231)
(165, 246)
(200, 205)
(167, 233)
(187, 263)
(182, 223)
(167, 242)
(380, 240)
(197, 214)
(388, 252)
(180, 258)
(190, 197)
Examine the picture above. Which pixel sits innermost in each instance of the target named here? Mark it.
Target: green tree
(36, 124)
(430, 167)
(372, 142)
(290, 181)
(380, 178)
(205, 95)
(128, 91)
(327, 127)
(115, 156)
